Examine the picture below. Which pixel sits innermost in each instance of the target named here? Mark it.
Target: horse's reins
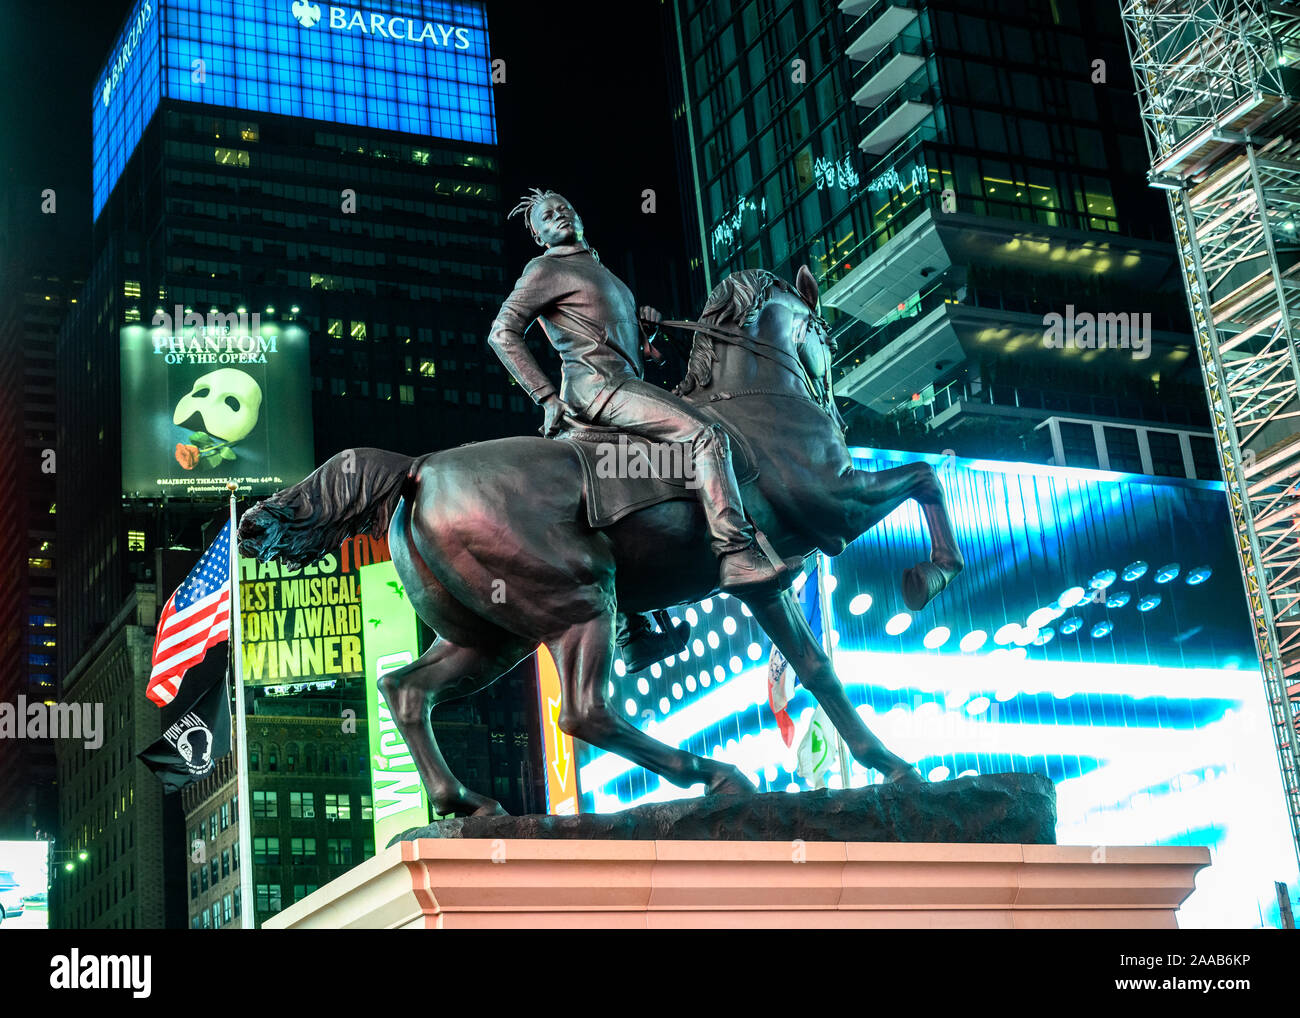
(769, 351)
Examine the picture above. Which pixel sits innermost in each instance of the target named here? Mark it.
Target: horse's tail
(351, 493)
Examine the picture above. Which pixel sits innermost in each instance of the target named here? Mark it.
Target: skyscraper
(305, 169)
(966, 181)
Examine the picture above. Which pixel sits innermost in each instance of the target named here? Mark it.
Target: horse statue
(493, 542)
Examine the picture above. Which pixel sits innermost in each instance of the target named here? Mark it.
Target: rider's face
(556, 222)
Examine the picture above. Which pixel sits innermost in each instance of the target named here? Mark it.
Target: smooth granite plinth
(471, 883)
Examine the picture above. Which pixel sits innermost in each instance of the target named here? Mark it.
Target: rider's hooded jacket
(589, 316)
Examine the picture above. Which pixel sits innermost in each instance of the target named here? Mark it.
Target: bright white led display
(898, 623)
(859, 604)
(1071, 597)
(937, 637)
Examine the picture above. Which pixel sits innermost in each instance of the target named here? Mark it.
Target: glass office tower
(954, 173)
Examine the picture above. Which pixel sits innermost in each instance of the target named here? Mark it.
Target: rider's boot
(641, 646)
(754, 568)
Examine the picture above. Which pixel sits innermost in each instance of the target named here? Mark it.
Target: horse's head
(790, 348)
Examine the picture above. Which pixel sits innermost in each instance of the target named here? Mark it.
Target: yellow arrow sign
(561, 776)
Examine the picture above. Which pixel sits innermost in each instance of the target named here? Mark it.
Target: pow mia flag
(192, 745)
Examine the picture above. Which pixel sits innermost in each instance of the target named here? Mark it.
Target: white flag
(816, 748)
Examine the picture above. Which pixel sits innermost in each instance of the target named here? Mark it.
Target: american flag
(195, 618)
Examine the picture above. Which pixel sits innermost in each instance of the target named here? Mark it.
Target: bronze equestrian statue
(493, 544)
(590, 318)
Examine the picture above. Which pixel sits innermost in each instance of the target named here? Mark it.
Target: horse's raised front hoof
(729, 781)
(923, 583)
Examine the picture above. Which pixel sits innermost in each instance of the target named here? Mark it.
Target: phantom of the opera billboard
(1098, 635)
(212, 402)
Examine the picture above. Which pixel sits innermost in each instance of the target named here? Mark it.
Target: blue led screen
(421, 67)
(1098, 635)
(124, 99)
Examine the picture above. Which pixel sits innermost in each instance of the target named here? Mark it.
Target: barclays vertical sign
(128, 44)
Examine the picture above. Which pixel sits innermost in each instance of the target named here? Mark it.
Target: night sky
(584, 111)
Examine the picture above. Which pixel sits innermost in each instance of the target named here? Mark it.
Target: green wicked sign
(390, 643)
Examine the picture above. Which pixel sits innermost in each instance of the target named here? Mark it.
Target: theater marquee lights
(423, 69)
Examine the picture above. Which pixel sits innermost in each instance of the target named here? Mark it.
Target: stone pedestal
(477, 883)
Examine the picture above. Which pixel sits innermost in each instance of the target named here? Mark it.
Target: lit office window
(338, 806)
(230, 157)
(135, 540)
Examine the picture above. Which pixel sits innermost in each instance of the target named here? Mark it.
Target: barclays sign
(384, 26)
(130, 43)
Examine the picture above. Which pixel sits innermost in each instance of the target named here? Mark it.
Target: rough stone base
(997, 809)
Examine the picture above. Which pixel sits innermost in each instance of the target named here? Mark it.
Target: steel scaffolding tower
(1218, 99)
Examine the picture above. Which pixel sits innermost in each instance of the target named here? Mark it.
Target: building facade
(114, 817)
(965, 178)
(33, 303)
(336, 174)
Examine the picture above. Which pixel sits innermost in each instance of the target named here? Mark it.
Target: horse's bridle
(762, 348)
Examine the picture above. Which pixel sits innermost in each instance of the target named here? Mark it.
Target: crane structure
(1219, 99)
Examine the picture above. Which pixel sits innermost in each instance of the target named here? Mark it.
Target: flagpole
(828, 644)
(248, 914)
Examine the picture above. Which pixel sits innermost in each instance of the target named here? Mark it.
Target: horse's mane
(737, 299)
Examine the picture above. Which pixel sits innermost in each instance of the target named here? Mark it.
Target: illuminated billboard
(307, 623)
(344, 617)
(206, 404)
(24, 885)
(417, 66)
(390, 643)
(1098, 635)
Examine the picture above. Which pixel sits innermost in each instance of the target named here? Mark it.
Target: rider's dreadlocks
(529, 202)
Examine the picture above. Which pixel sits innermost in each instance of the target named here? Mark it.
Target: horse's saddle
(622, 473)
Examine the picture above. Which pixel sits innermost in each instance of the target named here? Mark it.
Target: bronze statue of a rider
(590, 317)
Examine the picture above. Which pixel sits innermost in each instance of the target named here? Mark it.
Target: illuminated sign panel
(344, 617)
(421, 67)
(306, 623)
(557, 745)
(391, 643)
(24, 885)
(124, 98)
(211, 401)
(1098, 636)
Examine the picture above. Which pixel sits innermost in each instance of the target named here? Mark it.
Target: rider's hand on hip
(554, 412)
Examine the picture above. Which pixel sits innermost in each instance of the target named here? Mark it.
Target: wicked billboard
(213, 402)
